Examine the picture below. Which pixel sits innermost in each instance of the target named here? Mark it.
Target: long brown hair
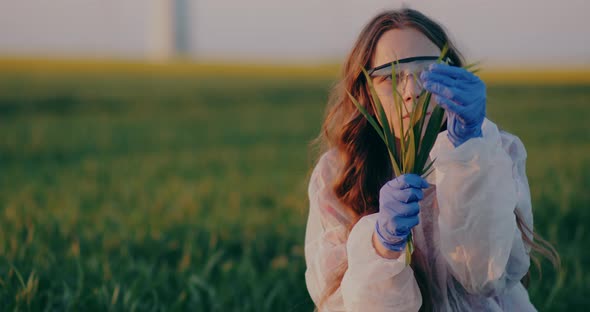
(365, 165)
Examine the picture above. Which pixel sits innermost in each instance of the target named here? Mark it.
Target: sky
(507, 32)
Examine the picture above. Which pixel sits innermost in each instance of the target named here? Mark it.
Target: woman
(471, 218)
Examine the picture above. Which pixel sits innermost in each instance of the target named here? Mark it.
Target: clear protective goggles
(405, 69)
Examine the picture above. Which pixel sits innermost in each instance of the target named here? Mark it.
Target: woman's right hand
(398, 210)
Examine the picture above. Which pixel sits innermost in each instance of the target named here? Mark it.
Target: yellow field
(327, 71)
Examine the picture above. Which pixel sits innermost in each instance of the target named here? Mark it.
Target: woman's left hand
(462, 94)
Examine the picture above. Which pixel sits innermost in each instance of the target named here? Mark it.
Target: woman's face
(398, 44)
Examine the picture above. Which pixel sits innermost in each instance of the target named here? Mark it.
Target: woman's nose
(412, 90)
(411, 93)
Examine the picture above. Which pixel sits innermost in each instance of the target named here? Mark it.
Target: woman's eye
(388, 78)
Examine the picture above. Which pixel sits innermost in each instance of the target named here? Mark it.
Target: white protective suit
(467, 228)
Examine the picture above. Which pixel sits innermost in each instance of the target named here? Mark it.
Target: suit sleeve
(480, 184)
(370, 282)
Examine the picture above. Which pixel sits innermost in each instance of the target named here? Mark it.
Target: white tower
(181, 16)
(169, 29)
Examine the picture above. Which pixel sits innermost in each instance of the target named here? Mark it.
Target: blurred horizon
(500, 34)
(493, 75)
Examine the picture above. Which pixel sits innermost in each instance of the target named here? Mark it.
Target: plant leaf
(417, 117)
(398, 103)
(443, 53)
(396, 98)
(432, 131)
(394, 164)
(382, 118)
(473, 67)
(428, 166)
(425, 104)
(433, 126)
(410, 156)
(369, 118)
(428, 173)
(409, 249)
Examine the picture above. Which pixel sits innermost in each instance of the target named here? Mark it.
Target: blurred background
(154, 154)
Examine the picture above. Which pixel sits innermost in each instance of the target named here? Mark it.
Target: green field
(146, 191)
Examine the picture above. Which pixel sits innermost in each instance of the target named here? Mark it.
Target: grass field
(143, 190)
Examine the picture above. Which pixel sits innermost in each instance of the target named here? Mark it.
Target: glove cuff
(396, 246)
(459, 134)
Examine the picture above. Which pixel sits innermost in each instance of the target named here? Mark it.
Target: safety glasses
(405, 69)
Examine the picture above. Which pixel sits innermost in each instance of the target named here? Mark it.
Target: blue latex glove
(463, 96)
(398, 210)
